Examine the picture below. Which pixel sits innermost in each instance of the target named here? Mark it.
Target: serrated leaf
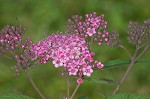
(127, 96)
(83, 97)
(14, 96)
(102, 81)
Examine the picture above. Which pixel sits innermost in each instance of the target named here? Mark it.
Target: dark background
(42, 17)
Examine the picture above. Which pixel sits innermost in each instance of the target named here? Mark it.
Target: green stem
(133, 60)
(68, 85)
(128, 69)
(34, 85)
(91, 42)
(74, 91)
(144, 50)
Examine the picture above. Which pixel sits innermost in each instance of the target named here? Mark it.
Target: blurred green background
(42, 17)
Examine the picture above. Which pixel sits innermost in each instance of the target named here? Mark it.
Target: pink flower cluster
(69, 51)
(12, 42)
(72, 50)
(9, 38)
(93, 25)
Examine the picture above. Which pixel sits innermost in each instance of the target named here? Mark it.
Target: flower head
(139, 33)
(72, 49)
(113, 40)
(11, 41)
(66, 50)
(10, 36)
(93, 26)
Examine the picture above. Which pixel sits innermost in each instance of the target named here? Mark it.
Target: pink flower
(100, 65)
(106, 39)
(91, 31)
(1, 40)
(73, 71)
(87, 71)
(57, 63)
(79, 81)
(7, 35)
(95, 22)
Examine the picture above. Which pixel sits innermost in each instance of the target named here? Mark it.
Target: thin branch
(8, 57)
(145, 49)
(34, 85)
(133, 60)
(128, 69)
(143, 45)
(91, 42)
(74, 91)
(68, 85)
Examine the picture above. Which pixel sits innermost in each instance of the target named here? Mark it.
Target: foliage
(127, 96)
(14, 96)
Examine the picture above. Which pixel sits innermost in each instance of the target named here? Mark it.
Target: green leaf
(127, 96)
(117, 63)
(102, 81)
(83, 97)
(14, 96)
